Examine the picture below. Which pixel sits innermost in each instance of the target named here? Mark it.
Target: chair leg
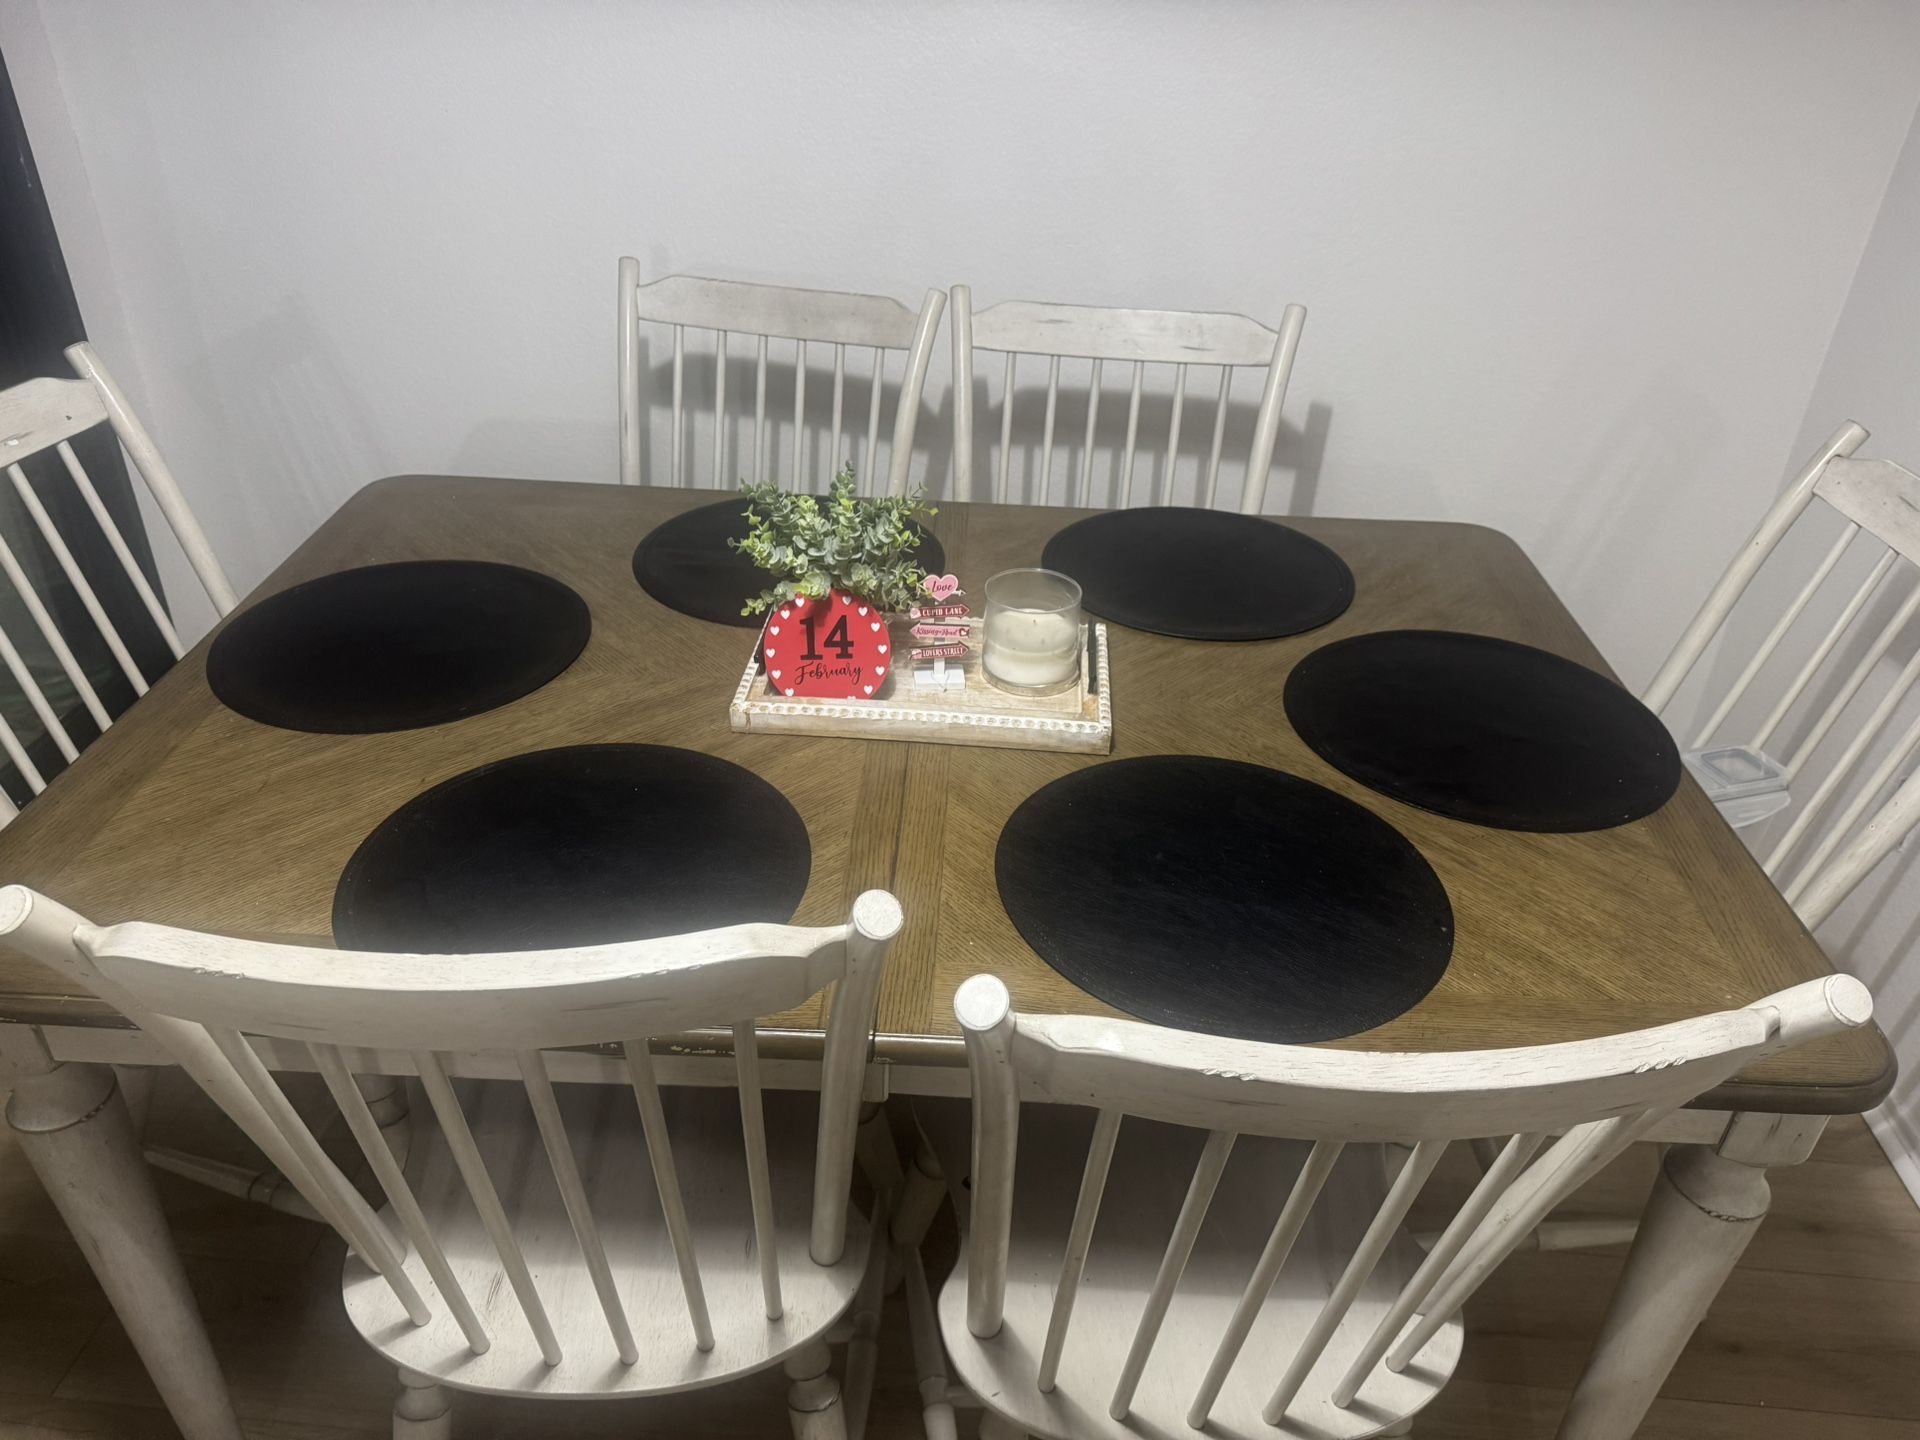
(920, 1201)
(874, 1148)
(929, 1354)
(424, 1410)
(136, 1085)
(813, 1399)
(863, 1344)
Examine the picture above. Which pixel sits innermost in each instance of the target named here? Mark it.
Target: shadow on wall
(308, 441)
(1874, 936)
(531, 448)
(869, 445)
(1083, 473)
(1628, 476)
(865, 435)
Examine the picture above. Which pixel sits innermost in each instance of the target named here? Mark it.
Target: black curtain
(39, 318)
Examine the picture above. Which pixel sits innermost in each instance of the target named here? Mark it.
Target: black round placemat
(577, 846)
(1222, 897)
(1483, 730)
(686, 564)
(395, 647)
(1201, 574)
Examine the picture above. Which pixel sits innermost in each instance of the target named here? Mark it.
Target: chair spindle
(653, 1121)
(1512, 1160)
(1868, 663)
(77, 579)
(720, 481)
(1093, 415)
(386, 1169)
(573, 1195)
(50, 632)
(1133, 431)
(1219, 435)
(1006, 431)
(1579, 1155)
(675, 478)
(753, 1126)
(1266, 1270)
(344, 1206)
(839, 398)
(799, 410)
(486, 1200)
(1186, 1229)
(1046, 429)
(1876, 781)
(1406, 1189)
(1172, 466)
(760, 410)
(17, 753)
(1855, 750)
(117, 543)
(36, 697)
(1086, 1211)
(877, 382)
(1797, 687)
(1765, 650)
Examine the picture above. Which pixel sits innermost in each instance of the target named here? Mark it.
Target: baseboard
(1902, 1145)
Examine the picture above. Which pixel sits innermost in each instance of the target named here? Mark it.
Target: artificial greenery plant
(836, 541)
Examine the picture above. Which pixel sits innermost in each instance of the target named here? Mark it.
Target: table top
(186, 813)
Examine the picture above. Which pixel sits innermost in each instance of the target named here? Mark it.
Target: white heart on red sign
(883, 650)
(789, 690)
(769, 652)
(774, 629)
(867, 688)
(874, 623)
(879, 669)
(862, 610)
(785, 613)
(776, 675)
(940, 586)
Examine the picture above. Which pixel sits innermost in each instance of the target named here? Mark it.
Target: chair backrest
(201, 996)
(46, 414)
(1602, 1093)
(1818, 691)
(732, 310)
(1139, 338)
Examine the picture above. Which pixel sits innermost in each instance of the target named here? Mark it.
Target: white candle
(1032, 647)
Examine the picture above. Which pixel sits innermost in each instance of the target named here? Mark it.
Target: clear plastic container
(1746, 785)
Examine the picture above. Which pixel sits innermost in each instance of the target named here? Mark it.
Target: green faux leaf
(863, 546)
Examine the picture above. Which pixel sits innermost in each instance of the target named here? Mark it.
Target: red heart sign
(833, 648)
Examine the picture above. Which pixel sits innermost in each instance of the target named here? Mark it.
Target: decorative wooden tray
(1080, 719)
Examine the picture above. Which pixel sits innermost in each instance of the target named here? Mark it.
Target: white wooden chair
(733, 310)
(46, 414)
(1801, 745)
(1139, 338)
(1231, 1260)
(630, 1263)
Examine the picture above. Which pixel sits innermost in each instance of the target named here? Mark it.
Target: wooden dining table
(187, 813)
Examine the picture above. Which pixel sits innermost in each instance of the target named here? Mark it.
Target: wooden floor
(1817, 1336)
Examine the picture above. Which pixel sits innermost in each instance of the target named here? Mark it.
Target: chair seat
(604, 1129)
(1152, 1165)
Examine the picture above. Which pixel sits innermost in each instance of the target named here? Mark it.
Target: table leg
(72, 1125)
(1706, 1204)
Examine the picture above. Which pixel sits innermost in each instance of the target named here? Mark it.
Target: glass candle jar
(1032, 625)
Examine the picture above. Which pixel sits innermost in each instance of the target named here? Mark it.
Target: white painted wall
(1571, 269)
(1872, 374)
